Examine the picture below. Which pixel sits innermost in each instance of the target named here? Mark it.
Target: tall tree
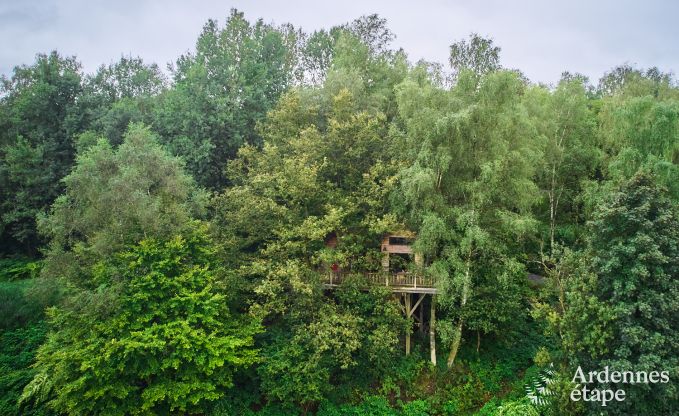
(324, 169)
(129, 77)
(121, 93)
(567, 128)
(641, 132)
(319, 49)
(222, 91)
(477, 54)
(38, 120)
(467, 189)
(626, 80)
(634, 252)
(117, 197)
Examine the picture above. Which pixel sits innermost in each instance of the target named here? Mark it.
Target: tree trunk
(478, 341)
(552, 212)
(457, 338)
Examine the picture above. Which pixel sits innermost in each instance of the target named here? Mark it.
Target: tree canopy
(215, 238)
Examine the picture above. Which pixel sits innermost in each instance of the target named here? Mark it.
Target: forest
(165, 234)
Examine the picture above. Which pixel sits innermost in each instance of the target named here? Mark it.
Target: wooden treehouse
(409, 288)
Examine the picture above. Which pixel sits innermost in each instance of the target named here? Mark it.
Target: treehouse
(409, 287)
(397, 251)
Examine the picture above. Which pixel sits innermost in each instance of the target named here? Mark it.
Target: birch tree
(467, 187)
(566, 127)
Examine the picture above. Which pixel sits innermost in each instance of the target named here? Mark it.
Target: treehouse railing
(395, 280)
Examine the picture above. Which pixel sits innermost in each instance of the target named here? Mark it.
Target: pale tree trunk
(457, 337)
(554, 196)
(552, 210)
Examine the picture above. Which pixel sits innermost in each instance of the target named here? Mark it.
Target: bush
(416, 408)
(162, 340)
(17, 352)
(488, 409)
(371, 406)
(517, 408)
(19, 268)
(18, 308)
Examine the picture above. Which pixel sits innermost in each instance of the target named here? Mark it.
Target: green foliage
(341, 342)
(119, 94)
(115, 197)
(381, 323)
(17, 353)
(488, 409)
(469, 212)
(628, 81)
(222, 91)
(316, 146)
(298, 369)
(320, 171)
(371, 406)
(518, 408)
(21, 303)
(38, 116)
(642, 132)
(22, 331)
(323, 169)
(566, 126)
(17, 307)
(539, 390)
(320, 49)
(477, 383)
(416, 408)
(614, 302)
(130, 77)
(477, 55)
(634, 254)
(155, 337)
(16, 268)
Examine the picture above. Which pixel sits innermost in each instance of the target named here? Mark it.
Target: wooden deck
(405, 282)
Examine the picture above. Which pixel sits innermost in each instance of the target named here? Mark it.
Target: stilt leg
(432, 330)
(421, 313)
(408, 300)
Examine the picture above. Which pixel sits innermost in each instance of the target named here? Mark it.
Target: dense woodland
(162, 232)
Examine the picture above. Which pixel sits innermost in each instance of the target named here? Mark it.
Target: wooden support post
(413, 307)
(385, 261)
(421, 329)
(432, 330)
(408, 298)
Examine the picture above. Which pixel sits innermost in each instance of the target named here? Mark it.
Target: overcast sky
(541, 39)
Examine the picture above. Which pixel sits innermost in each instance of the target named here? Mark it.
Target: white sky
(540, 38)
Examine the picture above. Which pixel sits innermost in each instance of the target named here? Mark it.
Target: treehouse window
(399, 241)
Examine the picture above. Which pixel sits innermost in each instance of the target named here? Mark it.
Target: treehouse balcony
(397, 253)
(401, 282)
